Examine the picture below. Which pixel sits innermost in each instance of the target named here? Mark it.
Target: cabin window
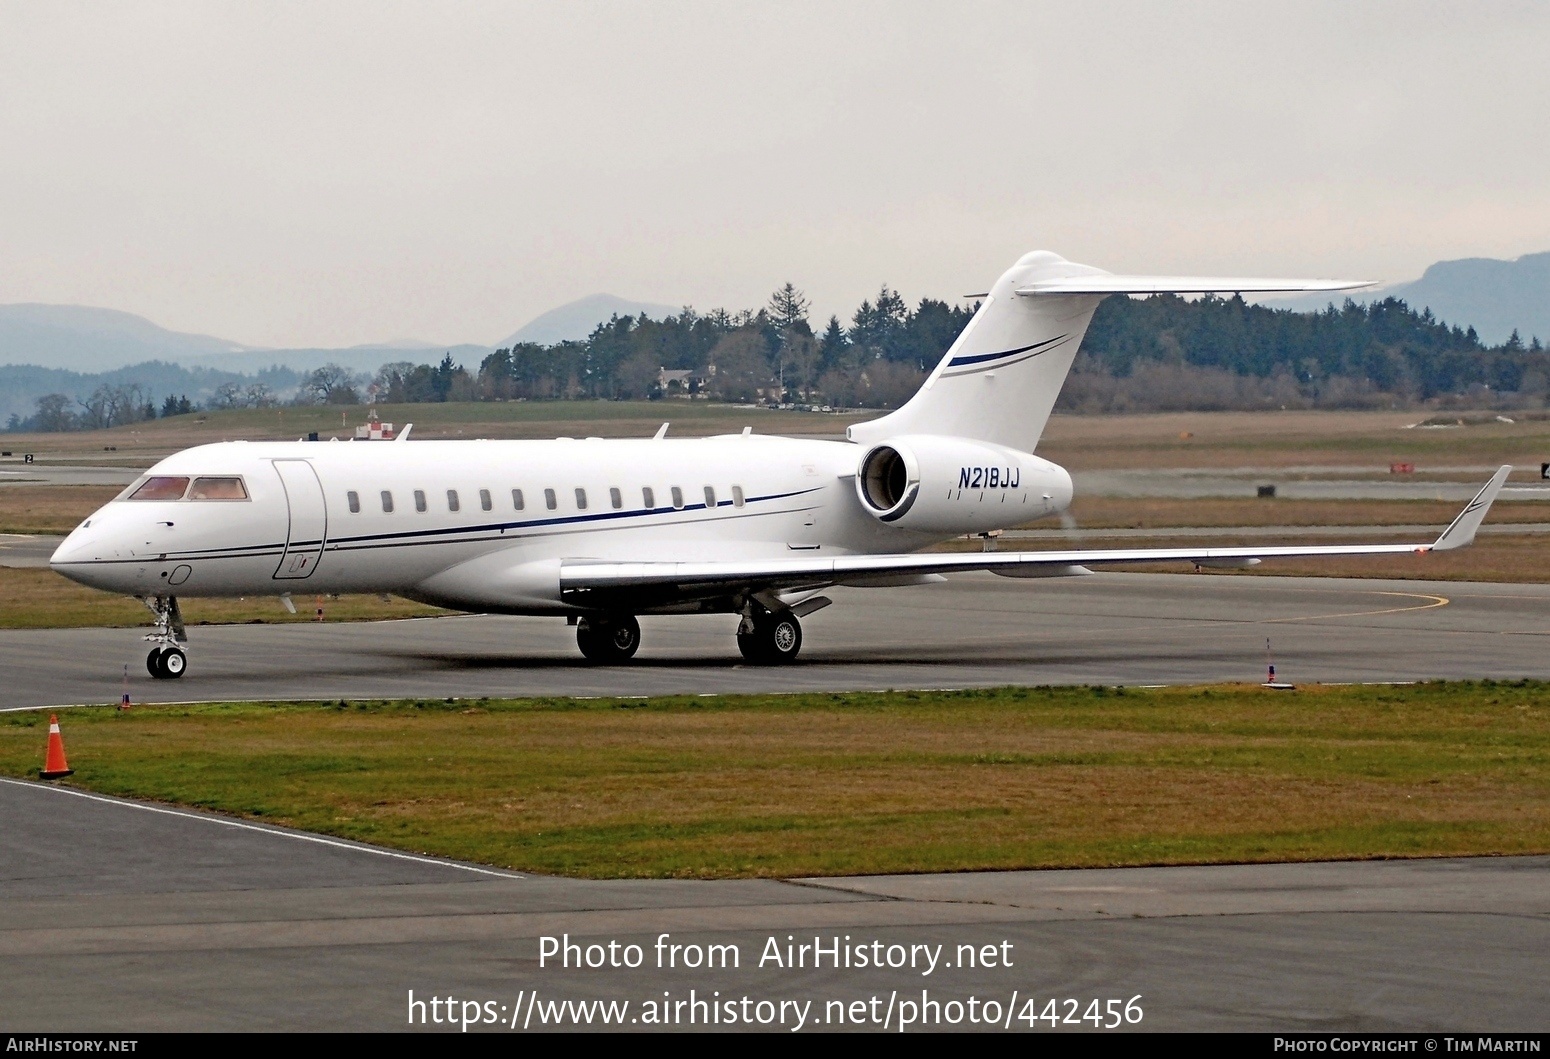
(710, 497)
(678, 498)
(550, 500)
(387, 501)
(218, 489)
(452, 501)
(419, 500)
(161, 488)
(355, 501)
(516, 499)
(615, 497)
(581, 499)
(737, 496)
(485, 503)
(649, 497)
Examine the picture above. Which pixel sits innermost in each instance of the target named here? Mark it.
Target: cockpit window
(160, 487)
(218, 489)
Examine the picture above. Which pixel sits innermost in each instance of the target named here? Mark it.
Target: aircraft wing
(663, 582)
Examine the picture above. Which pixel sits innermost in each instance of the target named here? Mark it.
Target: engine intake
(888, 482)
(953, 485)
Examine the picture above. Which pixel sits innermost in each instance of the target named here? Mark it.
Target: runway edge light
(54, 764)
(1270, 677)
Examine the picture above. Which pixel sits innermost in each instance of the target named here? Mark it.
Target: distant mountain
(364, 359)
(578, 319)
(399, 343)
(1494, 297)
(81, 338)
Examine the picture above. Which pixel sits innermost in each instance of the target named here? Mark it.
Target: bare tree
(330, 384)
(227, 395)
(259, 395)
(111, 406)
(742, 369)
(54, 413)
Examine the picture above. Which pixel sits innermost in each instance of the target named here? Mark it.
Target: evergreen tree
(832, 346)
(175, 406)
(788, 309)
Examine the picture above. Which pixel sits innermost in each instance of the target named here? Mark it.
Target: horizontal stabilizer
(1104, 283)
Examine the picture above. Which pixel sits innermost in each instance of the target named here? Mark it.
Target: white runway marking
(264, 830)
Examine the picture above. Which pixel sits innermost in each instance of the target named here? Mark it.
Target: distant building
(683, 383)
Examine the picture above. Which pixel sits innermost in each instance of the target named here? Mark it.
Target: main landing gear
(769, 638)
(167, 660)
(766, 637)
(608, 639)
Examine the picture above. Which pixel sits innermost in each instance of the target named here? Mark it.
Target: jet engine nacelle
(953, 485)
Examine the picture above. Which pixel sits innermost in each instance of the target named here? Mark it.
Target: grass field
(1176, 439)
(41, 599)
(50, 508)
(1108, 512)
(1290, 439)
(143, 443)
(857, 783)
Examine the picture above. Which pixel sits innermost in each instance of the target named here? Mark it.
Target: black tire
(174, 663)
(608, 641)
(774, 640)
(751, 645)
(153, 664)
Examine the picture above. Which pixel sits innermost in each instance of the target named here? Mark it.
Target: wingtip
(1462, 529)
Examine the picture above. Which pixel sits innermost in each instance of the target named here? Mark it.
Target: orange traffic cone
(54, 765)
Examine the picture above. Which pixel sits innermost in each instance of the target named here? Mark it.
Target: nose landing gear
(167, 660)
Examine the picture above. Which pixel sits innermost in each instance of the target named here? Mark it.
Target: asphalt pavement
(119, 916)
(974, 630)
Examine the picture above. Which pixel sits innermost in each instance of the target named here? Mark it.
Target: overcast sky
(337, 173)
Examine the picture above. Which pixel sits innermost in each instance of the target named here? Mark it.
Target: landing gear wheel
(174, 663)
(773, 639)
(166, 660)
(166, 663)
(608, 640)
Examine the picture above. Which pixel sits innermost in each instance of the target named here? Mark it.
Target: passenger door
(308, 519)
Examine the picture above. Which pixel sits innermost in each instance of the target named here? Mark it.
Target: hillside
(576, 320)
(1494, 297)
(86, 339)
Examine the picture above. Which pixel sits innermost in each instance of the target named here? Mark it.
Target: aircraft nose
(79, 554)
(80, 546)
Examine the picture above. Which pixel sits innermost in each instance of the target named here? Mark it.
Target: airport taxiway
(123, 917)
(974, 630)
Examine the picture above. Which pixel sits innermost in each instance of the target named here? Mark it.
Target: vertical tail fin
(999, 381)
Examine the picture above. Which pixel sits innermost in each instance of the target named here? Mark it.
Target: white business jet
(600, 531)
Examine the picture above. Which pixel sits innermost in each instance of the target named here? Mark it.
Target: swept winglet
(1462, 530)
(403, 435)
